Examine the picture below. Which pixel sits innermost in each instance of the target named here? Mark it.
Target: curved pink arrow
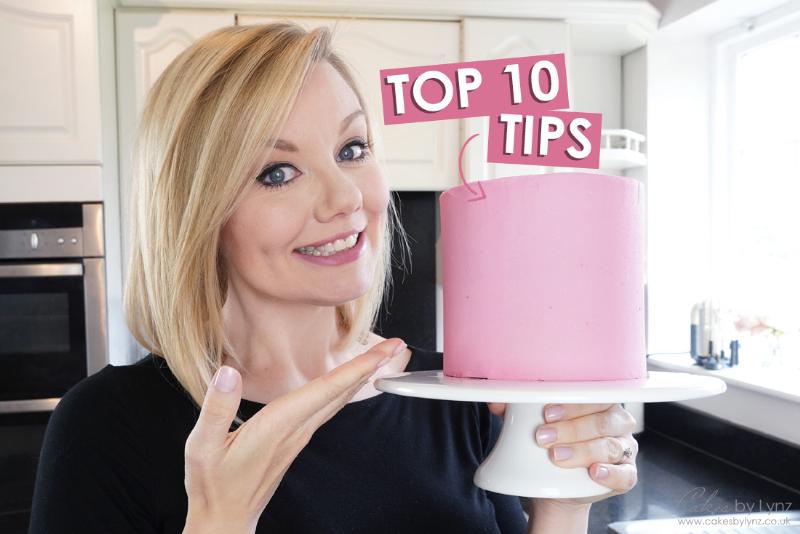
(461, 173)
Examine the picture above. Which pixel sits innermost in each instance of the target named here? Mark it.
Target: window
(756, 190)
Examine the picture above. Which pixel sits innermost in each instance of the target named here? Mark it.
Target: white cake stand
(517, 465)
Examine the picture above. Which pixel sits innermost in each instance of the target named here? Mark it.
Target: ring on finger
(627, 453)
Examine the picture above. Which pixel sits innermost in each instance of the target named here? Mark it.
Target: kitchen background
(698, 101)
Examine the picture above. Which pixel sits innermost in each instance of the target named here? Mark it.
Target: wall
(678, 186)
(596, 86)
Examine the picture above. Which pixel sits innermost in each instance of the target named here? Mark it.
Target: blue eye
(274, 176)
(355, 151)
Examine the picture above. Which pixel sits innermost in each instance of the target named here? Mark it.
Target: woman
(261, 249)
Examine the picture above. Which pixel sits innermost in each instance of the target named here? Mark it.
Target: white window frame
(726, 48)
(698, 60)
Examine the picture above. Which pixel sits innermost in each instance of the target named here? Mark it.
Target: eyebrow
(281, 144)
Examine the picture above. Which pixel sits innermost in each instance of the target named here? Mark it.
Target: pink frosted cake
(543, 279)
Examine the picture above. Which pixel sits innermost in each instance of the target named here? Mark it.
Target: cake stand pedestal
(517, 465)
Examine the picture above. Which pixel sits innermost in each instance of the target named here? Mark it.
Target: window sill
(782, 384)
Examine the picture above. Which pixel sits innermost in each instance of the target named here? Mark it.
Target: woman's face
(320, 181)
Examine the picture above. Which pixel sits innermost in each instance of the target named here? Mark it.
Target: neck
(281, 345)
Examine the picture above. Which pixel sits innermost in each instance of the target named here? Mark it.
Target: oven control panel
(41, 243)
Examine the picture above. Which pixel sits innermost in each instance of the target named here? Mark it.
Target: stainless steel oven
(52, 301)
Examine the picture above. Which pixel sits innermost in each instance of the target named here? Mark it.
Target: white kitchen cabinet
(486, 38)
(147, 41)
(593, 54)
(49, 85)
(418, 157)
(51, 183)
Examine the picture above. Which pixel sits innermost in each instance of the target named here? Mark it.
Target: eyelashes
(265, 177)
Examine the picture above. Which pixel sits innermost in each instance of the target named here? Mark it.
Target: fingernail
(553, 413)
(383, 362)
(225, 379)
(399, 348)
(562, 453)
(602, 472)
(545, 435)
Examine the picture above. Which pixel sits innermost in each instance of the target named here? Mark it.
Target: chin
(338, 293)
(343, 297)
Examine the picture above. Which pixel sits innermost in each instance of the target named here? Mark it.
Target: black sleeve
(508, 508)
(92, 475)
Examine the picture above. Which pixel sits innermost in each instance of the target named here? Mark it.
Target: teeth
(331, 248)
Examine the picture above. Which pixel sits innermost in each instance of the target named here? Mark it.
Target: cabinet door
(420, 157)
(146, 43)
(49, 82)
(504, 38)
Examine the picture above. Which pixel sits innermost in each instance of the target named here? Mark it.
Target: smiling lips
(334, 243)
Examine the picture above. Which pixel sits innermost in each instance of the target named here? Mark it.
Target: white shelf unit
(621, 149)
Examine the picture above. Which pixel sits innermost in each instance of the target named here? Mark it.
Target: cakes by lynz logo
(521, 96)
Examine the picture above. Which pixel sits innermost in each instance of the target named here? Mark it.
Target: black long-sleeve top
(112, 461)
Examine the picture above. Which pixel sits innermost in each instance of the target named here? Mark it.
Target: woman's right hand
(231, 476)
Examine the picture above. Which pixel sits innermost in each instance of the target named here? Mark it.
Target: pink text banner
(523, 85)
(553, 139)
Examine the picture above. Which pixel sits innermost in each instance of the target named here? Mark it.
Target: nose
(340, 194)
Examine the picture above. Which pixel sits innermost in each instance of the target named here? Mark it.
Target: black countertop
(692, 464)
(677, 480)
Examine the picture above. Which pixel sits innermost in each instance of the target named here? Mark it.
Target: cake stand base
(517, 465)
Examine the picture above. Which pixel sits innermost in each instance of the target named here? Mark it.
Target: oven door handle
(40, 270)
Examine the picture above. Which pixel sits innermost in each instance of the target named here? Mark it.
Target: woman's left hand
(592, 436)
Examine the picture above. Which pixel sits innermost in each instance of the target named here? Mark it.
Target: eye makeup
(264, 177)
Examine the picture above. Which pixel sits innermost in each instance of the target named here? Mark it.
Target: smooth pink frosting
(544, 278)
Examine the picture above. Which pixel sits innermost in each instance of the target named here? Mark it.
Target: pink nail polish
(225, 379)
(545, 436)
(553, 413)
(602, 472)
(562, 453)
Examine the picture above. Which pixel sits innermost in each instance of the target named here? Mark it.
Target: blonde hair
(203, 124)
